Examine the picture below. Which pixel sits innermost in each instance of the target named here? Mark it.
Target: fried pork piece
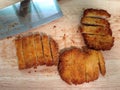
(92, 67)
(95, 21)
(36, 49)
(99, 42)
(39, 49)
(97, 30)
(54, 51)
(46, 50)
(29, 51)
(98, 13)
(19, 52)
(77, 66)
(72, 66)
(101, 63)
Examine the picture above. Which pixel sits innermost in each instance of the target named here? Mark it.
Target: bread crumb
(54, 26)
(64, 37)
(29, 71)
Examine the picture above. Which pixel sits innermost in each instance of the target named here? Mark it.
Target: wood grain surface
(66, 33)
(5, 3)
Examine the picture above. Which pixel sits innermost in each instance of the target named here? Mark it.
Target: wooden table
(5, 3)
(65, 32)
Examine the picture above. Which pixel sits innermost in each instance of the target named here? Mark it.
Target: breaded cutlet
(95, 21)
(36, 49)
(98, 13)
(71, 66)
(101, 63)
(29, 51)
(97, 30)
(54, 51)
(46, 50)
(99, 42)
(77, 66)
(92, 67)
(39, 49)
(19, 52)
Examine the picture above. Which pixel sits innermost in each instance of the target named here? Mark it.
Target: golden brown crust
(71, 67)
(77, 66)
(101, 63)
(100, 13)
(46, 50)
(99, 42)
(92, 67)
(97, 30)
(19, 53)
(95, 21)
(54, 51)
(29, 51)
(39, 49)
(35, 49)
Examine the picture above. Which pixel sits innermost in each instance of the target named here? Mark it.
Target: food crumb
(54, 26)
(35, 67)
(29, 71)
(77, 31)
(64, 37)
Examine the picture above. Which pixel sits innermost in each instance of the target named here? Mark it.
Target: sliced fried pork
(54, 51)
(77, 66)
(46, 50)
(97, 30)
(72, 66)
(95, 21)
(99, 13)
(19, 52)
(101, 63)
(92, 67)
(39, 49)
(29, 51)
(36, 49)
(99, 42)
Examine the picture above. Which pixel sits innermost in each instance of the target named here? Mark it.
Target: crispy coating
(72, 66)
(54, 51)
(99, 42)
(95, 21)
(39, 49)
(101, 63)
(29, 51)
(92, 67)
(46, 50)
(19, 52)
(100, 13)
(97, 30)
(36, 49)
(77, 66)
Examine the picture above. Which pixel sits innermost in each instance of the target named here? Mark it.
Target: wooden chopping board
(5, 3)
(65, 31)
